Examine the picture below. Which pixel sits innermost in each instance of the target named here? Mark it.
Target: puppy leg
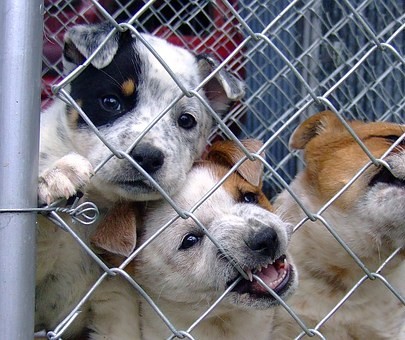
(64, 178)
(115, 311)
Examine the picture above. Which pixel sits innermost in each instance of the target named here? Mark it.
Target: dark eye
(186, 121)
(393, 139)
(111, 103)
(189, 240)
(250, 197)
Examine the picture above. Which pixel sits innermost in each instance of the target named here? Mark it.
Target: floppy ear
(82, 40)
(312, 127)
(228, 153)
(223, 89)
(116, 233)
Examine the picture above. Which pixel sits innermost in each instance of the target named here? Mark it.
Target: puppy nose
(265, 242)
(148, 157)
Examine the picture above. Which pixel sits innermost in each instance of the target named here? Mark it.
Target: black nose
(148, 157)
(265, 242)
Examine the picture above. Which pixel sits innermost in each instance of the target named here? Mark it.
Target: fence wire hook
(85, 213)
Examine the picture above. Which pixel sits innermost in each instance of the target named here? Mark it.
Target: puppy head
(184, 265)
(333, 157)
(124, 90)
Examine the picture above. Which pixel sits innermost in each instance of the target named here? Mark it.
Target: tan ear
(313, 126)
(228, 153)
(116, 233)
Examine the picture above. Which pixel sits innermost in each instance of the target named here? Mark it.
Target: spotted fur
(121, 91)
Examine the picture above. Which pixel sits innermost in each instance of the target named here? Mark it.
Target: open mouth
(276, 275)
(385, 176)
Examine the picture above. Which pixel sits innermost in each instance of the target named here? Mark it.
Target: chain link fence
(296, 58)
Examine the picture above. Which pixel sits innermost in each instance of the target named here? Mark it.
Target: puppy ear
(223, 89)
(116, 233)
(82, 40)
(312, 127)
(228, 153)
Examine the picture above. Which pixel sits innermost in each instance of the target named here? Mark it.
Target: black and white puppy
(122, 90)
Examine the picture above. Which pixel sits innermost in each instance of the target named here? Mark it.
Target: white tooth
(276, 282)
(249, 274)
(259, 269)
(266, 265)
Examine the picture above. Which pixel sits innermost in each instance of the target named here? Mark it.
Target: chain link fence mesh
(296, 58)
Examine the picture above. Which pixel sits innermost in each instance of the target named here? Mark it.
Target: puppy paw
(65, 177)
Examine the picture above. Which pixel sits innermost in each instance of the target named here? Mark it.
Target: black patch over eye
(186, 121)
(249, 197)
(189, 240)
(111, 103)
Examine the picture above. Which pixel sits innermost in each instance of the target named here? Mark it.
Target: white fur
(184, 283)
(70, 152)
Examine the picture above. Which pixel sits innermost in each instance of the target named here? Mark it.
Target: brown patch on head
(73, 115)
(333, 156)
(239, 187)
(228, 153)
(247, 179)
(128, 87)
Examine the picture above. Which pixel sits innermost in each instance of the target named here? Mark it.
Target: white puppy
(370, 218)
(184, 272)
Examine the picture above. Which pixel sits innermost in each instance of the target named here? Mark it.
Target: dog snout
(150, 158)
(264, 242)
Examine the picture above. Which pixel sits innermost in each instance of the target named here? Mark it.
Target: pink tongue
(268, 275)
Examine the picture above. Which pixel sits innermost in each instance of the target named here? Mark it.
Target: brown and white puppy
(370, 218)
(184, 272)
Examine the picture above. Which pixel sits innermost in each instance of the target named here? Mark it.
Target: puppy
(121, 91)
(369, 216)
(184, 272)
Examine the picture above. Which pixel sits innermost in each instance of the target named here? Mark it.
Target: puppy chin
(133, 186)
(114, 192)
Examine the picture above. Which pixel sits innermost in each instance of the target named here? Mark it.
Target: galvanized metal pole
(20, 71)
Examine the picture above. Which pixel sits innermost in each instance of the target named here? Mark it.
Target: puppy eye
(189, 240)
(250, 197)
(186, 121)
(393, 139)
(111, 103)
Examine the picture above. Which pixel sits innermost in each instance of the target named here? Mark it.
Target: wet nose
(265, 242)
(150, 158)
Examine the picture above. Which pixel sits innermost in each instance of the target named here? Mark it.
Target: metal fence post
(20, 71)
